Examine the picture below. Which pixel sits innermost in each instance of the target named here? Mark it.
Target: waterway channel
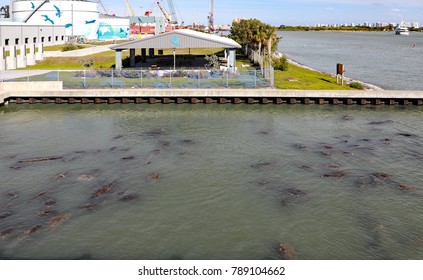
(210, 181)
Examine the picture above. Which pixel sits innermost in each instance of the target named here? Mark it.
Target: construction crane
(211, 18)
(128, 6)
(172, 12)
(149, 11)
(164, 12)
(102, 5)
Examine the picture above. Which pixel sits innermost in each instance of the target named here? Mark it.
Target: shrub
(69, 46)
(281, 63)
(357, 85)
(212, 61)
(87, 63)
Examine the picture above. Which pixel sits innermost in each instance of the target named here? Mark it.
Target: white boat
(402, 30)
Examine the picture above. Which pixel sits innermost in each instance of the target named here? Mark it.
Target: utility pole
(211, 18)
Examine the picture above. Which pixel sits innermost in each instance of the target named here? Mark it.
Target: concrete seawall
(235, 96)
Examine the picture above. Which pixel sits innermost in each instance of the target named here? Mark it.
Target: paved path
(15, 74)
(80, 52)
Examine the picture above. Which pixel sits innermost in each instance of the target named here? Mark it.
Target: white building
(22, 44)
(80, 18)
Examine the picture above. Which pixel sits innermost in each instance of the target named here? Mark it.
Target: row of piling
(218, 100)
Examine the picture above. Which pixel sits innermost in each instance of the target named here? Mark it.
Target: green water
(234, 181)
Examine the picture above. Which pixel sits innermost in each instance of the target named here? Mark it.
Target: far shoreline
(367, 86)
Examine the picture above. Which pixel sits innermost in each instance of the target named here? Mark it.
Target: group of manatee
(346, 148)
(49, 214)
(49, 217)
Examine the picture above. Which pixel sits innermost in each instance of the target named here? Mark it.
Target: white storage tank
(81, 18)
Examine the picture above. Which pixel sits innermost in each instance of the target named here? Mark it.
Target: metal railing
(143, 78)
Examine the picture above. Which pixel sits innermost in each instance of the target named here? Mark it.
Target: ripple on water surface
(210, 182)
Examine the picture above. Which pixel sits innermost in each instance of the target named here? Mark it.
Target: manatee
(407, 188)
(88, 206)
(128, 158)
(4, 215)
(47, 213)
(151, 156)
(117, 137)
(328, 147)
(287, 252)
(334, 175)
(295, 192)
(6, 232)
(290, 194)
(103, 190)
(334, 165)
(157, 132)
(187, 141)
(306, 167)
(386, 141)
(300, 146)
(129, 197)
(33, 229)
(85, 177)
(261, 164)
(49, 202)
(40, 194)
(381, 122)
(11, 194)
(40, 159)
(326, 154)
(153, 177)
(58, 219)
(164, 144)
(405, 134)
(60, 176)
(381, 175)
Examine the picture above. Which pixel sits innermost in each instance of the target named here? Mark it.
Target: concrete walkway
(16, 74)
(80, 52)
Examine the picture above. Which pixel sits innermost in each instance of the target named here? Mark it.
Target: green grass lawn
(300, 78)
(296, 78)
(100, 60)
(60, 47)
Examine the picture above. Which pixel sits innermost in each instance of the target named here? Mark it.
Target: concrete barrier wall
(32, 86)
(52, 92)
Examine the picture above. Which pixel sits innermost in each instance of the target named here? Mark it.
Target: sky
(282, 12)
(291, 12)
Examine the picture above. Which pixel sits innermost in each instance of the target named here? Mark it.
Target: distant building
(21, 44)
(415, 25)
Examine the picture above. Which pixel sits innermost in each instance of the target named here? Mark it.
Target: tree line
(252, 33)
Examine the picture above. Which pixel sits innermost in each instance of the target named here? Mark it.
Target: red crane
(149, 11)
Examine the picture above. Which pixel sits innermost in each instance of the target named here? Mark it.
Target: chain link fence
(141, 78)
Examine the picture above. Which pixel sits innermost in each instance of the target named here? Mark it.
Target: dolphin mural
(68, 25)
(59, 13)
(46, 18)
(32, 6)
(90, 21)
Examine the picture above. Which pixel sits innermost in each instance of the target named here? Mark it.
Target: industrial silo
(79, 17)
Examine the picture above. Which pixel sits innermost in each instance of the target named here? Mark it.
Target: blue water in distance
(386, 60)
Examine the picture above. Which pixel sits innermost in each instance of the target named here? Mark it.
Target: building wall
(16, 34)
(22, 44)
(113, 28)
